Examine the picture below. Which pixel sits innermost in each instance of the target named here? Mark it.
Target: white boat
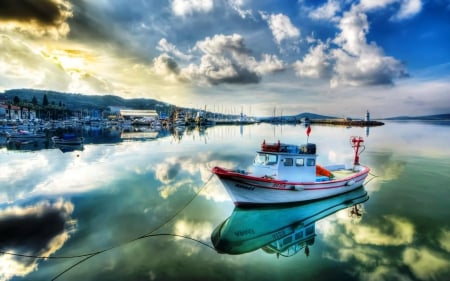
(68, 139)
(24, 135)
(284, 230)
(288, 173)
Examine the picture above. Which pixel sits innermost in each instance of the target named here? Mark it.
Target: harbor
(129, 199)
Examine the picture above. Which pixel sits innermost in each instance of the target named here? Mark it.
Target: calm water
(146, 209)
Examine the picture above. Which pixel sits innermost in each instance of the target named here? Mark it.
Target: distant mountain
(313, 116)
(298, 117)
(85, 102)
(426, 117)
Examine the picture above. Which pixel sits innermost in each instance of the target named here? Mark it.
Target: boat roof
(308, 148)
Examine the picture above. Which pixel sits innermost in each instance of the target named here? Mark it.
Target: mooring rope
(369, 180)
(87, 256)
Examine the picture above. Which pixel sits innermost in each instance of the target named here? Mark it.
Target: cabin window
(260, 158)
(299, 162)
(288, 161)
(266, 159)
(272, 159)
(287, 240)
(310, 162)
(309, 230)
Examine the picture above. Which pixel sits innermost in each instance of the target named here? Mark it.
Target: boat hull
(26, 136)
(246, 190)
(248, 229)
(73, 141)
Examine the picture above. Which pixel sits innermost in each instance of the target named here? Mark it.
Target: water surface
(145, 209)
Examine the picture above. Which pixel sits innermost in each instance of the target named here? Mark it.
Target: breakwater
(345, 122)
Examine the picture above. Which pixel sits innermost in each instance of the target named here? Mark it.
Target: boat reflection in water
(284, 230)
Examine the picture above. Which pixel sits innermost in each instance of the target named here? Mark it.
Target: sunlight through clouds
(181, 52)
(50, 19)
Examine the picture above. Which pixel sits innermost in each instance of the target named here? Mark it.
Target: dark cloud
(115, 28)
(43, 12)
(89, 23)
(171, 64)
(39, 230)
(31, 229)
(172, 172)
(241, 75)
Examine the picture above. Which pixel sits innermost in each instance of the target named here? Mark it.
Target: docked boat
(68, 139)
(288, 173)
(282, 230)
(65, 148)
(24, 135)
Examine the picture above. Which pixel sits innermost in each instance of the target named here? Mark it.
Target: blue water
(145, 209)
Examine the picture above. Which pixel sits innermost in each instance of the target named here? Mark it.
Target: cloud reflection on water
(38, 229)
(380, 246)
(124, 190)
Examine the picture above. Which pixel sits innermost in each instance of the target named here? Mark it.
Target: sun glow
(70, 59)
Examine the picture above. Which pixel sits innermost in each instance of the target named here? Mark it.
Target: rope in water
(87, 256)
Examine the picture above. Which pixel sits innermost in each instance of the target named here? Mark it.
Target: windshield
(266, 159)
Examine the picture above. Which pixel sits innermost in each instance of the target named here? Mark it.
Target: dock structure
(135, 113)
(347, 122)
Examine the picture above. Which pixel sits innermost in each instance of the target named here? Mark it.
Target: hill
(313, 116)
(425, 117)
(77, 102)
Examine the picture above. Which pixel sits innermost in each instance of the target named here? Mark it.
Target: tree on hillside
(34, 101)
(16, 100)
(45, 100)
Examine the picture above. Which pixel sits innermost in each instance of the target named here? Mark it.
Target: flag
(308, 130)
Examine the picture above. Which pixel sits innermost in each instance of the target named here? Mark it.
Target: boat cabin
(292, 243)
(286, 162)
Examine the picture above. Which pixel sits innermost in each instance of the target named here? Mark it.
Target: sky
(340, 58)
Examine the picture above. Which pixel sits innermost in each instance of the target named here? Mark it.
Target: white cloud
(444, 239)
(351, 60)
(358, 62)
(316, 64)
(367, 5)
(165, 46)
(397, 231)
(237, 6)
(426, 264)
(408, 9)
(188, 7)
(226, 59)
(281, 27)
(327, 11)
(268, 64)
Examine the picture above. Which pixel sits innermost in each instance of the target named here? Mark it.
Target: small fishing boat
(288, 173)
(69, 147)
(68, 139)
(284, 230)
